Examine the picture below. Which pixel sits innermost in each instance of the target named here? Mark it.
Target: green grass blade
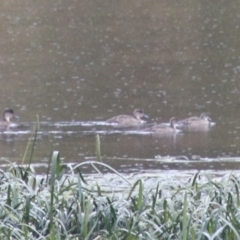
(184, 220)
(98, 148)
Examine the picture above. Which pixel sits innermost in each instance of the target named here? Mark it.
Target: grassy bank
(64, 205)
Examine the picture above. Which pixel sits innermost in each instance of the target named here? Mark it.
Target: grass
(64, 205)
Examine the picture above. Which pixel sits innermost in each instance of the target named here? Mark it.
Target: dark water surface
(77, 63)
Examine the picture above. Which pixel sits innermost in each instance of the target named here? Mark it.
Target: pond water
(74, 64)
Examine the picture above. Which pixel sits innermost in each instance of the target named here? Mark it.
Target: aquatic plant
(64, 205)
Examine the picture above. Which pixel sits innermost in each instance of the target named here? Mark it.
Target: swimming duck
(165, 129)
(127, 120)
(8, 115)
(202, 123)
(203, 120)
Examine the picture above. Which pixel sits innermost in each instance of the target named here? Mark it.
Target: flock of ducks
(189, 124)
(203, 122)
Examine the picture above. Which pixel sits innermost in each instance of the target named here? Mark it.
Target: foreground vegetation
(63, 205)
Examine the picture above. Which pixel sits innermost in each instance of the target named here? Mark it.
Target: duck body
(163, 129)
(197, 123)
(128, 120)
(4, 124)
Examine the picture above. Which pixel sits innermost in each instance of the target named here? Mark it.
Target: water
(75, 64)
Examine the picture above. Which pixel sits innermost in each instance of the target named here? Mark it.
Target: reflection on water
(77, 63)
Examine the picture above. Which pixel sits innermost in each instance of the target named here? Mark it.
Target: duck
(128, 120)
(165, 129)
(203, 123)
(203, 120)
(7, 116)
